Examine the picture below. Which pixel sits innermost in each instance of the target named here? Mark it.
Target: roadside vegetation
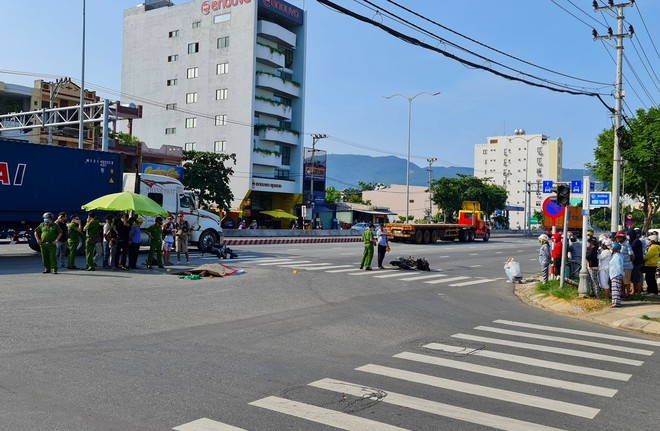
(569, 293)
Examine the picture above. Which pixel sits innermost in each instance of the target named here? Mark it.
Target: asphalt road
(302, 340)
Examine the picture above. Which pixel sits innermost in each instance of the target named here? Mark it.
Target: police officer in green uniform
(73, 229)
(155, 232)
(47, 234)
(93, 230)
(368, 254)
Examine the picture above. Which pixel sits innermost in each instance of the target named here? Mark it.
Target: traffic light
(563, 194)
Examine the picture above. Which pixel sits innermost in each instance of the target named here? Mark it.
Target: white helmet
(544, 237)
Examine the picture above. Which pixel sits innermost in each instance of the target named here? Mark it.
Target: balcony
(272, 108)
(278, 135)
(269, 56)
(276, 84)
(271, 31)
(265, 159)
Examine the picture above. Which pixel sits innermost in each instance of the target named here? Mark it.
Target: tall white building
(225, 76)
(520, 162)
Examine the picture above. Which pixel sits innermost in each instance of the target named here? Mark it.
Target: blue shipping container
(35, 178)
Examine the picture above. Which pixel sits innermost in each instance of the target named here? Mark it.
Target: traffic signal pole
(583, 287)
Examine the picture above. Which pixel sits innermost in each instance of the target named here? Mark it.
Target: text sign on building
(283, 9)
(214, 5)
(600, 199)
(576, 186)
(547, 186)
(165, 170)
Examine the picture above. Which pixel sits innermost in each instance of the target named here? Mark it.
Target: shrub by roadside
(569, 294)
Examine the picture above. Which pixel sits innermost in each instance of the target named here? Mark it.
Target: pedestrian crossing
(578, 380)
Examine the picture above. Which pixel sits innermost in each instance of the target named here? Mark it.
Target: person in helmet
(616, 274)
(544, 256)
(155, 233)
(47, 234)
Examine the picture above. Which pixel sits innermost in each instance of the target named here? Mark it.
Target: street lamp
(430, 169)
(315, 139)
(410, 100)
(81, 131)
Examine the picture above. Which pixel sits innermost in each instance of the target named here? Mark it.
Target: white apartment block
(224, 76)
(516, 160)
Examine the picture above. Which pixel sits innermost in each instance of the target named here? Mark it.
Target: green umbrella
(126, 201)
(279, 214)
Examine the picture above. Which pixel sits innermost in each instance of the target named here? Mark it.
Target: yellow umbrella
(126, 201)
(279, 214)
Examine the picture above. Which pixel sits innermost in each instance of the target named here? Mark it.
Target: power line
(647, 29)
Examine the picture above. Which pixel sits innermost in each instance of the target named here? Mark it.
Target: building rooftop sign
(282, 9)
(214, 5)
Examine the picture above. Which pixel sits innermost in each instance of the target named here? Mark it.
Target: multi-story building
(520, 162)
(225, 76)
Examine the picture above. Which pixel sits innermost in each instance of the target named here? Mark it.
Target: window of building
(193, 72)
(190, 146)
(191, 122)
(191, 98)
(223, 42)
(221, 120)
(221, 94)
(221, 18)
(220, 146)
(171, 82)
(196, 24)
(222, 68)
(173, 57)
(173, 33)
(286, 155)
(193, 47)
(170, 130)
(170, 107)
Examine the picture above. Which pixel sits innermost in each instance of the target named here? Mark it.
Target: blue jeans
(60, 251)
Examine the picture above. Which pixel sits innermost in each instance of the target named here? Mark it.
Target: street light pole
(315, 139)
(430, 169)
(410, 100)
(81, 131)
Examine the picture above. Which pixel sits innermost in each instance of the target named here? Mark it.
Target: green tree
(640, 147)
(353, 196)
(207, 174)
(449, 194)
(332, 195)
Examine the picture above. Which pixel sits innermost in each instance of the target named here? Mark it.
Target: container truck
(36, 178)
(471, 225)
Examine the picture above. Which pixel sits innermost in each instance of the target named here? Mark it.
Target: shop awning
(379, 212)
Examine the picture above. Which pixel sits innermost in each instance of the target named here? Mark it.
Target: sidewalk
(628, 316)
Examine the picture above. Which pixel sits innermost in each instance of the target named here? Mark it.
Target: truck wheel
(427, 237)
(419, 237)
(434, 237)
(462, 236)
(470, 235)
(486, 236)
(206, 240)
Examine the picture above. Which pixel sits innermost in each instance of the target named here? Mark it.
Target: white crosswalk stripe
(205, 424)
(330, 267)
(393, 274)
(475, 281)
(446, 280)
(304, 265)
(423, 277)
(283, 263)
(343, 270)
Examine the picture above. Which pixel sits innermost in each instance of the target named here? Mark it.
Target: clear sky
(352, 65)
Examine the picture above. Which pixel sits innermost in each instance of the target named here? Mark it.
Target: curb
(263, 241)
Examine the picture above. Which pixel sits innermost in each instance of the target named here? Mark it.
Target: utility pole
(618, 97)
(54, 91)
(430, 170)
(315, 138)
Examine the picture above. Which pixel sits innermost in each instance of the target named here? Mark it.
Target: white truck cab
(169, 193)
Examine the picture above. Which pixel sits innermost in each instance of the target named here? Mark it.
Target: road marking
(532, 260)
(348, 254)
(477, 281)
(283, 263)
(557, 350)
(321, 415)
(343, 270)
(206, 424)
(445, 280)
(511, 375)
(308, 266)
(432, 407)
(526, 360)
(475, 266)
(399, 273)
(444, 256)
(577, 332)
(499, 252)
(483, 391)
(331, 267)
(423, 277)
(474, 254)
(565, 340)
(273, 260)
(361, 272)
(292, 249)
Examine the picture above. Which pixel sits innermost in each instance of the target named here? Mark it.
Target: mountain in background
(347, 170)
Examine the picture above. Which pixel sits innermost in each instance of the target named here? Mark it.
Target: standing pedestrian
(93, 230)
(556, 254)
(616, 274)
(368, 253)
(107, 242)
(73, 240)
(637, 256)
(544, 256)
(155, 233)
(253, 225)
(60, 246)
(626, 255)
(47, 234)
(382, 243)
(592, 265)
(604, 257)
(181, 234)
(135, 236)
(122, 228)
(651, 265)
(168, 239)
(575, 254)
